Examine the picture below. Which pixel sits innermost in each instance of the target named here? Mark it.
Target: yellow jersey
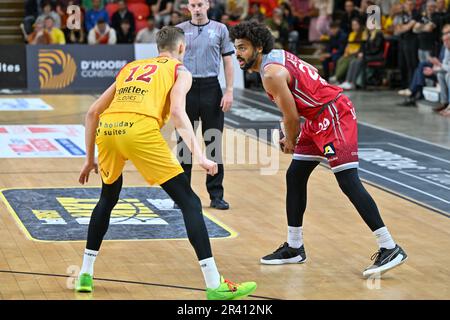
(143, 87)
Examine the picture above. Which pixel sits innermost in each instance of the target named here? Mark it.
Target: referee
(207, 42)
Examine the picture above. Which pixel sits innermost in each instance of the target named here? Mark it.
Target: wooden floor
(338, 243)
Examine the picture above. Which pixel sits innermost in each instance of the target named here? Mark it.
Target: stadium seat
(140, 24)
(141, 11)
(378, 67)
(111, 8)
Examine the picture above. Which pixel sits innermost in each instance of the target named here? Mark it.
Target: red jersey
(310, 91)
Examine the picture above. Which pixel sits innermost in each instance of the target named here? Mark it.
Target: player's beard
(251, 62)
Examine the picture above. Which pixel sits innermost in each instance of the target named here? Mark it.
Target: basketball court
(44, 213)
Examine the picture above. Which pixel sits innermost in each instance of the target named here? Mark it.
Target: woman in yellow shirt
(355, 38)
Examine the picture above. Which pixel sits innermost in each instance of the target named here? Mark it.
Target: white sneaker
(405, 92)
(346, 85)
(332, 79)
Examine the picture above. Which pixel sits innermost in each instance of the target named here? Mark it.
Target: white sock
(88, 261)
(210, 273)
(295, 237)
(384, 238)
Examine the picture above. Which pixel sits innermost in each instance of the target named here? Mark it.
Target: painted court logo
(56, 69)
(63, 214)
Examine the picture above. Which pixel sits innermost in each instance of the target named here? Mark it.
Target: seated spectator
(301, 9)
(162, 10)
(427, 31)
(216, 9)
(120, 15)
(56, 35)
(48, 10)
(148, 35)
(351, 50)
(279, 28)
(95, 14)
(320, 24)
(292, 25)
(334, 49)
(39, 35)
(254, 13)
(350, 14)
(237, 10)
(124, 33)
(442, 69)
(371, 50)
(175, 18)
(102, 33)
(388, 22)
(72, 35)
(89, 4)
(30, 15)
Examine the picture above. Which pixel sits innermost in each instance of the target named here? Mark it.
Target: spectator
(237, 10)
(335, 48)
(48, 10)
(102, 33)
(31, 13)
(403, 28)
(388, 22)
(72, 35)
(302, 12)
(351, 50)
(124, 33)
(443, 71)
(350, 14)
(320, 25)
(175, 18)
(120, 15)
(148, 35)
(371, 50)
(39, 35)
(56, 35)
(427, 32)
(279, 28)
(216, 9)
(162, 10)
(95, 14)
(254, 13)
(292, 22)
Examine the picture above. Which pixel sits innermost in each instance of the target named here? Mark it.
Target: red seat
(141, 11)
(140, 24)
(135, 1)
(372, 64)
(111, 8)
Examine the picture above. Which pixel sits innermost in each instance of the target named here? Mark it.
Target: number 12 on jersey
(146, 76)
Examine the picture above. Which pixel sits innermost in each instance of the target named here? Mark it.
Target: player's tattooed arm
(275, 81)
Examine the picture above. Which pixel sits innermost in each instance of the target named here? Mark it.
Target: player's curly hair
(257, 33)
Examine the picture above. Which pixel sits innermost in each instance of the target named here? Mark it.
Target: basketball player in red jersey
(329, 133)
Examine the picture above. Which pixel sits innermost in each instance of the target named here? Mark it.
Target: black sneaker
(285, 254)
(386, 259)
(219, 204)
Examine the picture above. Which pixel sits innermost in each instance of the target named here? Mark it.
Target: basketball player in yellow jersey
(125, 124)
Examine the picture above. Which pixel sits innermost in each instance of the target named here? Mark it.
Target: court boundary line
(122, 281)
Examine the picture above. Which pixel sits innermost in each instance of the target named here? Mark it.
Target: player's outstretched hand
(209, 166)
(86, 170)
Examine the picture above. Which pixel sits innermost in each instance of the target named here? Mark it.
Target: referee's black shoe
(386, 259)
(219, 204)
(285, 254)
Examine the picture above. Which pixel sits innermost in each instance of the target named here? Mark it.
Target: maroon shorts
(333, 136)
